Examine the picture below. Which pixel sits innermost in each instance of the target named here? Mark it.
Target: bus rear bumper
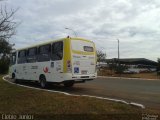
(77, 80)
(80, 78)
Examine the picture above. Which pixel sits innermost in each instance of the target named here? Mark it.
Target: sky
(136, 23)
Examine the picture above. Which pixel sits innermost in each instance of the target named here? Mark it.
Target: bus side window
(13, 59)
(31, 55)
(44, 53)
(57, 51)
(22, 57)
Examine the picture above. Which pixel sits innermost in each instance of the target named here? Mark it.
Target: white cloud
(135, 22)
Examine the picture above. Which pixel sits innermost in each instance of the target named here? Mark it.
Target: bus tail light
(69, 66)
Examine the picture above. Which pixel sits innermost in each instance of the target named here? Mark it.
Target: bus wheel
(43, 82)
(14, 78)
(69, 84)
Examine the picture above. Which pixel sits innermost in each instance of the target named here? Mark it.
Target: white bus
(66, 61)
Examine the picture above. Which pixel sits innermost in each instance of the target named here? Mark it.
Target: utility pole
(118, 49)
(118, 58)
(72, 31)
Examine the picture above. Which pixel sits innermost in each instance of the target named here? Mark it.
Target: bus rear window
(83, 46)
(88, 49)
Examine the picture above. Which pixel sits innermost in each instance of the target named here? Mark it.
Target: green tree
(158, 66)
(115, 66)
(101, 56)
(120, 68)
(5, 48)
(4, 65)
(7, 30)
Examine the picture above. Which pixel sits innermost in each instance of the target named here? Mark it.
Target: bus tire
(69, 84)
(14, 78)
(43, 82)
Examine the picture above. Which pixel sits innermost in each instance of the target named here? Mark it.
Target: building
(135, 65)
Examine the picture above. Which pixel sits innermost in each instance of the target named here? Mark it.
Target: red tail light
(68, 63)
(69, 67)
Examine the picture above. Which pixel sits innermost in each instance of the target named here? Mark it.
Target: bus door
(13, 59)
(21, 67)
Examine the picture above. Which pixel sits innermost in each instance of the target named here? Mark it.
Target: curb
(65, 93)
(126, 78)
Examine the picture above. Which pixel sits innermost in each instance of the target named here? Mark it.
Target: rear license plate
(84, 72)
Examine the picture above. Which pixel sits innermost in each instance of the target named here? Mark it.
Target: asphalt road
(146, 92)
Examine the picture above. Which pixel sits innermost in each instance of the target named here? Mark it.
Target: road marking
(65, 93)
(127, 78)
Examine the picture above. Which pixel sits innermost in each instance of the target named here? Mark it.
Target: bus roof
(52, 41)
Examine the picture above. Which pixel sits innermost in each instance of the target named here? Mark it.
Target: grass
(152, 75)
(45, 105)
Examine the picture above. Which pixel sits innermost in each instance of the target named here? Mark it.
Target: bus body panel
(84, 61)
(67, 54)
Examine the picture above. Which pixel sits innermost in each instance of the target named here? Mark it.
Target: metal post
(72, 31)
(118, 49)
(118, 58)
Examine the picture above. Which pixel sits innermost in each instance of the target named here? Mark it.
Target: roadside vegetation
(8, 26)
(152, 75)
(46, 105)
(114, 69)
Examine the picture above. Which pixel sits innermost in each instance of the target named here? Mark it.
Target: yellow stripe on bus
(82, 39)
(82, 53)
(67, 53)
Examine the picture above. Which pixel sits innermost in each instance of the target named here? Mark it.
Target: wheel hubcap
(42, 83)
